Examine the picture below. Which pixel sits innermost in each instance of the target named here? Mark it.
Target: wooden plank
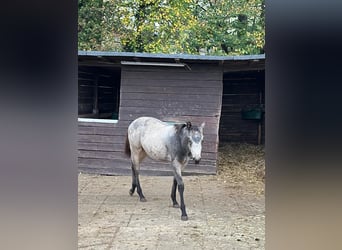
(160, 111)
(106, 162)
(100, 146)
(151, 167)
(146, 162)
(89, 169)
(169, 97)
(101, 138)
(96, 154)
(177, 76)
(83, 168)
(119, 148)
(85, 95)
(110, 131)
(85, 100)
(202, 166)
(170, 104)
(98, 124)
(209, 149)
(86, 130)
(116, 151)
(165, 82)
(171, 90)
(194, 69)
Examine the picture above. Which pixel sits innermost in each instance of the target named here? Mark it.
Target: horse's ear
(188, 125)
(202, 126)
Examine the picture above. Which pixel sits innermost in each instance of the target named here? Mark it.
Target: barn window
(98, 93)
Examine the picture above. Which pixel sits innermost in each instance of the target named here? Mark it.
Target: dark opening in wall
(243, 102)
(98, 92)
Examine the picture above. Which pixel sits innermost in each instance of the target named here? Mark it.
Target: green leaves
(212, 27)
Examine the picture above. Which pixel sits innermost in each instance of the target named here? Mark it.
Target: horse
(161, 141)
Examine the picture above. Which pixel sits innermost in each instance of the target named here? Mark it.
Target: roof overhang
(115, 59)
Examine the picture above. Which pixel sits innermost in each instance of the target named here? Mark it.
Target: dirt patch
(226, 211)
(242, 165)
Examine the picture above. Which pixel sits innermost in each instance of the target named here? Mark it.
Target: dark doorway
(243, 100)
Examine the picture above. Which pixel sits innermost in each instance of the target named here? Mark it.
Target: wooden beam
(96, 97)
(153, 64)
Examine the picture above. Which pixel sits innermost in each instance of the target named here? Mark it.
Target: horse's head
(195, 138)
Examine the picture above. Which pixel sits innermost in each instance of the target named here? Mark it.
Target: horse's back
(152, 135)
(147, 123)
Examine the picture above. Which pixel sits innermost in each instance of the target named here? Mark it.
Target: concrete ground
(221, 215)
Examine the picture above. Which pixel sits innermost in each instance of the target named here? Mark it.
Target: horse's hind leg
(134, 182)
(173, 193)
(136, 159)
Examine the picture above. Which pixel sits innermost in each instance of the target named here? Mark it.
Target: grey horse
(175, 143)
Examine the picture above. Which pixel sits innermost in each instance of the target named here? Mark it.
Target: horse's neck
(183, 143)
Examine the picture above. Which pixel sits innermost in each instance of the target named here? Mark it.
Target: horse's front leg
(178, 176)
(173, 193)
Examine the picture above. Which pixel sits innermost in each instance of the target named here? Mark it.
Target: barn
(114, 88)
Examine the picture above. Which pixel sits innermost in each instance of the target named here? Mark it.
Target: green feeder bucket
(252, 114)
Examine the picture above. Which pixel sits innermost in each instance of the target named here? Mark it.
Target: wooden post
(117, 83)
(95, 98)
(259, 133)
(259, 125)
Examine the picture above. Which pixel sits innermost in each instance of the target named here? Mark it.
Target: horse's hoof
(184, 217)
(131, 192)
(143, 199)
(176, 205)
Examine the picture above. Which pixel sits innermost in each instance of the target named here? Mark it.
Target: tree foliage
(90, 30)
(212, 27)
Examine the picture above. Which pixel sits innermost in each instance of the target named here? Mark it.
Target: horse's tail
(127, 147)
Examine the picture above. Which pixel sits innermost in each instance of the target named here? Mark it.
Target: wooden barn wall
(241, 90)
(169, 94)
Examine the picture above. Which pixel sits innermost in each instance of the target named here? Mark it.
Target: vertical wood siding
(169, 94)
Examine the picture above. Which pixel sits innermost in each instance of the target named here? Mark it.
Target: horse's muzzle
(197, 161)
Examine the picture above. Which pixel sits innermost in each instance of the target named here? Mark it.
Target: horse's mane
(189, 126)
(179, 127)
